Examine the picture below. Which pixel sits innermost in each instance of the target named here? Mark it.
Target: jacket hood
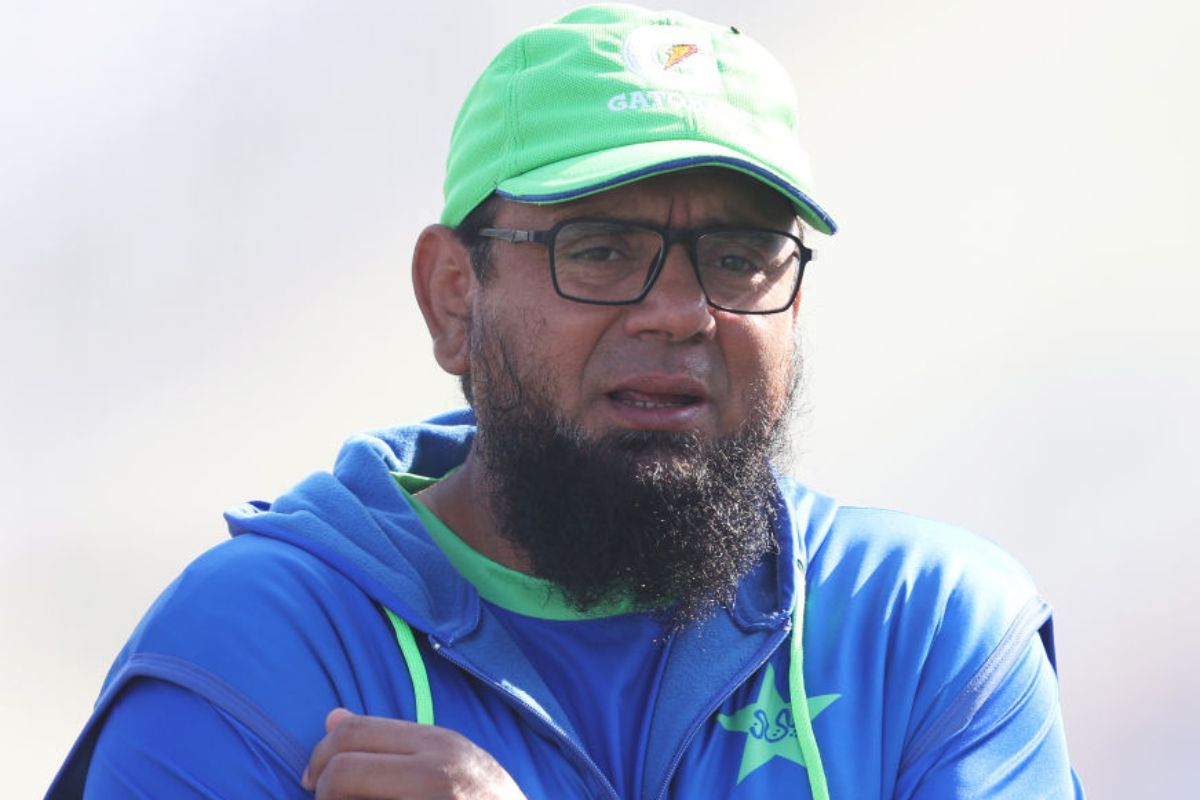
(357, 521)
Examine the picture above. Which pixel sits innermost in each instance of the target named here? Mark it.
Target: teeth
(645, 404)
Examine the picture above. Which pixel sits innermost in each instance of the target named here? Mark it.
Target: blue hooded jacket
(924, 669)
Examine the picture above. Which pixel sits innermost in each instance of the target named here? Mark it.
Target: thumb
(336, 717)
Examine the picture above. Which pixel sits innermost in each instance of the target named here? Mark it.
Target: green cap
(614, 93)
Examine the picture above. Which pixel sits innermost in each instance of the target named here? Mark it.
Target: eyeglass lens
(745, 270)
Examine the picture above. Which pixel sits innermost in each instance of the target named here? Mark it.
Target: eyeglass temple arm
(509, 235)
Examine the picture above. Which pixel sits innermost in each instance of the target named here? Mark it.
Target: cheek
(764, 368)
(535, 345)
(501, 372)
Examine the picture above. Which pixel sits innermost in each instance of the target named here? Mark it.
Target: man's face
(669, 363)
(629, 448)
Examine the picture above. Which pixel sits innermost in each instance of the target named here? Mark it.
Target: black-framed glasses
(616, 262)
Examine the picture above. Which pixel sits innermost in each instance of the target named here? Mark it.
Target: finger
(366, 776)
(357, 733)
(336, 717)
(383, 776)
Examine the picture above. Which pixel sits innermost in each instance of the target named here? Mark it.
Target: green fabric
(610, 94)
(422, 694)
(496, 583)
(799, 700)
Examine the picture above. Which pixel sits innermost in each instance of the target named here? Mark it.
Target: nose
(675, 308)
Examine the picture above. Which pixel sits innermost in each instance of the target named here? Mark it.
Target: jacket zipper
(529, 711)
(738, 680)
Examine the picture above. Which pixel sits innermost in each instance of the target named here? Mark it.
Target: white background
(206, 210)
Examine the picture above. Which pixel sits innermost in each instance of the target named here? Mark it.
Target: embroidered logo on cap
(678, 52)
(678, 69)
(672, 57)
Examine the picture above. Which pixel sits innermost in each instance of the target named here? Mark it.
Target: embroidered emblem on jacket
(769, 727)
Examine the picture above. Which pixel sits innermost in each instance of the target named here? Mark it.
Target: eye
(737, 264)
(746, 255)
(592, 245)
(596, 253)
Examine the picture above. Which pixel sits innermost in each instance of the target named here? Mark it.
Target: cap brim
(607, 169)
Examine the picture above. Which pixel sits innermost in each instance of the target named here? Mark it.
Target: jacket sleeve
(1013, 745)
(951, 649)
(259, 637)
(161, 740)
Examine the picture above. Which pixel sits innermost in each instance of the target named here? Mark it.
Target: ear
(444, 284)
(795, 309)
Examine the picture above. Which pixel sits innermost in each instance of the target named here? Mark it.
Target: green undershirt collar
(496, 583)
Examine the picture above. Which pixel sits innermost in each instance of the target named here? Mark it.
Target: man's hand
(373, 758)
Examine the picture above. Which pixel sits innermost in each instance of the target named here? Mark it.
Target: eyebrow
(794, 224)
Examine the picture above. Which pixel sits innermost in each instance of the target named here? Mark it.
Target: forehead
(689, 198)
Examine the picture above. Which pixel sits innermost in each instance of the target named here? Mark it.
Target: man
(593, 583)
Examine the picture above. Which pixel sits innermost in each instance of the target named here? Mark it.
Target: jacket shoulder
(270, 634)
(268, 617)
(950, 614)
(907, 557)
(249, 587)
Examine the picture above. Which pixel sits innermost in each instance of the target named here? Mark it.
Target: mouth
(653, 400)
(658, 403)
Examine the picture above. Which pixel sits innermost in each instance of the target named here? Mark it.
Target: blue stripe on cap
(668, 166)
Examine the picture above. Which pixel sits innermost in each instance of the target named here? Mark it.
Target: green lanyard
(416, 668)
(799, 700)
